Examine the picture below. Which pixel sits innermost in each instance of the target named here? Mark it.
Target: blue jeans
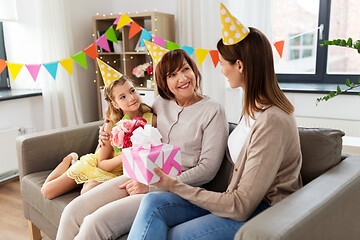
(164, 215)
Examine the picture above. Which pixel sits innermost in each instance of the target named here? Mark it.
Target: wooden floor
(13, 225)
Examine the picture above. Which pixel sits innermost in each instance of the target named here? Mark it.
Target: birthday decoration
(108, 73)
(232, 29)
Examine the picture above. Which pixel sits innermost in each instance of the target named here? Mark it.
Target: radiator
(8, 158)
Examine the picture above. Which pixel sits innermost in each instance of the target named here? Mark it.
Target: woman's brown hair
(261, 85)
(113, 114)
(172, 61)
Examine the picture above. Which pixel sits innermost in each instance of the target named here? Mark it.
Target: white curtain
(61, 102)
(198, 25)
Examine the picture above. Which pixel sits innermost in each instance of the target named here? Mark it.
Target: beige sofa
(327, 207)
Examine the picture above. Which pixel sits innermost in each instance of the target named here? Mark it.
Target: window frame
(4, 78)
(320, 76)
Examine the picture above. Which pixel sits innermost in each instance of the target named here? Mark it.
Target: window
(303, 24)
(4, 75)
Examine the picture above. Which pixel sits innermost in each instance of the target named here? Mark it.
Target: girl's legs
(89, 185)
(58, 182)
(160, 211)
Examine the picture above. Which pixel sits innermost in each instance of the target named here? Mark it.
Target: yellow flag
(124, 19)
(201, 55)
(14, 69)
(67, 64)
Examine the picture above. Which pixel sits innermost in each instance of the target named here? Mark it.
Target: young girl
(104, 164)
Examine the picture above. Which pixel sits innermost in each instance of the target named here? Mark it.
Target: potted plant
(118, 47)
(342, 43)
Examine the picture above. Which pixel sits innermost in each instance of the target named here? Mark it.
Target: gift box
(139, 162)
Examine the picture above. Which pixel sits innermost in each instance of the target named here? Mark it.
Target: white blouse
(237, 137)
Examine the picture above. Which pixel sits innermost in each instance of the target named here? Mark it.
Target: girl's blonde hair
(113, 114)
(261, 85)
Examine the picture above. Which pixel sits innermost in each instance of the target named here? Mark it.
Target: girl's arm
(154, 121)
(107, 161)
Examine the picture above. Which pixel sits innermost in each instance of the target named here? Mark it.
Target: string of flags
(102, 41)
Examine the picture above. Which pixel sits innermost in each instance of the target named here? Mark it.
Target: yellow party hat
(108, 73)
(233, 30)
(156, 51)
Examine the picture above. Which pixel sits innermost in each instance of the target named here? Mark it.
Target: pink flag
(158, 40)
(33, 70)
(103, 43)
(117, 20)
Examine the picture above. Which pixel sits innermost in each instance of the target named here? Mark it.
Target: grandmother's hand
(166, 182)
(134, 187)
(103, 135)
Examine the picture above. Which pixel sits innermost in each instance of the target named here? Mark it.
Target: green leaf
(352, 85)
(347, 83)
(331, 94)
(338, 89)
(357, 44)
(343, 43)
(359, 93)
(359, 80)
(349, 42)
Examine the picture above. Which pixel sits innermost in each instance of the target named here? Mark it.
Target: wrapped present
(139, 162)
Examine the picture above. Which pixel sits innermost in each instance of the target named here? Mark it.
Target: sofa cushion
(321, 150)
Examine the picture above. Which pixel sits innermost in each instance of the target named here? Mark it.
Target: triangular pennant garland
(214, 56)
(117, 20)
(67, 64)
(108, 73)
(91, 51)
(33, 70)
(124, 19)
(172, 46)
(145, 35)
(134, 29)
(188, 49)
(280, 47)
(2, 65)
(52, 68)
(156, 51)
(110, 35)
(103, 43)
(201, 55)
(80, 58)
(14, 69)
(158, 40)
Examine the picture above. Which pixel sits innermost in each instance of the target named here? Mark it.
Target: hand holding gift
(149, 153)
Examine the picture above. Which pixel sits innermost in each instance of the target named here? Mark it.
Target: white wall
(23, 44)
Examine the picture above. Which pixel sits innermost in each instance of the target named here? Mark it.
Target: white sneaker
(74, 156)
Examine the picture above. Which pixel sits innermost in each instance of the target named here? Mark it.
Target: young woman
(264, 148)
(105, 164)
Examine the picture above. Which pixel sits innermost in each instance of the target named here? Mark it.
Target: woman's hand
(134, 187)
(166, 182)
(103, 135)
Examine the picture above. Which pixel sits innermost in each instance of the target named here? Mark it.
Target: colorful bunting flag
(67, 64)
(117, 20)
(134, 29)
(14, 69)
(188, 49)
(33, 70)
(108, 73)
(214, 56)
(145, 35)
(91, 51)
(52, 68)
(80, 58)
(2, 65)
(103, 43)
(201, 55)
(279, 45)
(124, 19)
(110, 35)
(158, 40)
(172, 46)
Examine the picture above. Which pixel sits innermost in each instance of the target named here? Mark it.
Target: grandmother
(185, 118)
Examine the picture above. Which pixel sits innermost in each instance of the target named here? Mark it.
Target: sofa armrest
(43, 151)
(326, 208)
